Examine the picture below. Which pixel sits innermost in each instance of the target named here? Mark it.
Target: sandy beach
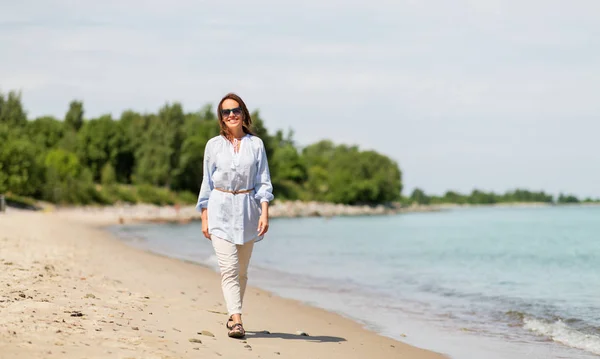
(71, 290)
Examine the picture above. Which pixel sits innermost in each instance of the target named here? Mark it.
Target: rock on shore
(184, 214)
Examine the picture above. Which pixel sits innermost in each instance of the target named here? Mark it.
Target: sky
(464, 94)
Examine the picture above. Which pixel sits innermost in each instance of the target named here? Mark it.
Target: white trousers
(233, 263)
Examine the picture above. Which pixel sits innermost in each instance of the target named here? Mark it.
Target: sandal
(230, 320)
(237, 331)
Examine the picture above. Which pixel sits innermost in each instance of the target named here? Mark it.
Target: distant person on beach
(234, 201)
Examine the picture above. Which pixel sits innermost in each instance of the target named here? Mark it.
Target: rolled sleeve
(263, 187)
(207, 182)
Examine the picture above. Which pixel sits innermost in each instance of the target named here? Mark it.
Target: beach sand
(68, 289)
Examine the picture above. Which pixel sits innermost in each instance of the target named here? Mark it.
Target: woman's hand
(205, 223)
(205, 229)
(263, 224)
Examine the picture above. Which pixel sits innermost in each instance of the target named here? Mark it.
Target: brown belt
(235, 192)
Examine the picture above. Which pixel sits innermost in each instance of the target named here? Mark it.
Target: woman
(234, 201)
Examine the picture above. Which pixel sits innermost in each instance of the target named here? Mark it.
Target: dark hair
(246, 119)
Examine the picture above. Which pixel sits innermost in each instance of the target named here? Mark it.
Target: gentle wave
(561, 332)
(457, 272)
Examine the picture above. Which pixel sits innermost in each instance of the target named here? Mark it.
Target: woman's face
(232, 114)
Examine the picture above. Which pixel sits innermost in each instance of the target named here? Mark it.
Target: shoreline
(75, 290)
(148, 213)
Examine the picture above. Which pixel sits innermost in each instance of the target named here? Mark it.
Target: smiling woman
(234, 201)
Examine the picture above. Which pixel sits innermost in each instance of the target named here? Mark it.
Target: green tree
(157, 159)
(316, 158)
(173, 120)
(61, 160)
(288, 171)
(100, 141)
(419, 196)
(153, 156)
(190, 169)
(8, 132)
(133, 126)
(567, 198)
(65, 164)
(108, 175)
(344, 174)
(67, 181)
(260, 130)
(479, 197)
(453, 197)
(45, 131)
(11, 110)
(20, 170)
(74, 116)
(382, 173)
(353, 178)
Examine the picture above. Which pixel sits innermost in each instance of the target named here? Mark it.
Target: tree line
(157, 158)
(418, 196)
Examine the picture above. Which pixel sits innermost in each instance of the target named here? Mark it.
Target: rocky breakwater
(289, 209)
(140, 213)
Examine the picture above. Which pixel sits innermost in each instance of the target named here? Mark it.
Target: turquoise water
(472, 283)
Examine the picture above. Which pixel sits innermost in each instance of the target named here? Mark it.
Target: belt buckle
(235, 192)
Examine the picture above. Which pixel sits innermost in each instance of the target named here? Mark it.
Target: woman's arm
(205, 190)
(263, 221)
(263, 189)
(207, 182)
(262, 184)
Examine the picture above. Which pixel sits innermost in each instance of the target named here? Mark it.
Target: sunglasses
(236, 111)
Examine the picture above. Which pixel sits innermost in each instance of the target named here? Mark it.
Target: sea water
(497, 283)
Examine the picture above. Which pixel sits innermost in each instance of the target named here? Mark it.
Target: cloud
(426, 82)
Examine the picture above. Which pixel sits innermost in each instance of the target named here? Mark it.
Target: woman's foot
(237, 331)
(229, 324)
